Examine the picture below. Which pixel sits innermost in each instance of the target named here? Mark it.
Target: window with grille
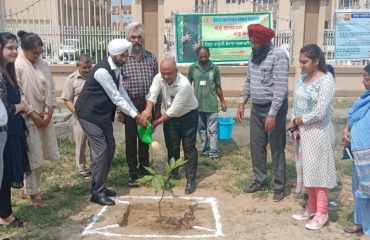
(235, 1)
(348, 3)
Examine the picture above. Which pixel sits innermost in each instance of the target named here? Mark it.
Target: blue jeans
(362, 204)
(3, 137)
(207, 129)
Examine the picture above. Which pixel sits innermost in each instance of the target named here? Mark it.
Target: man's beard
(137, 47)
(118, 63)
(259, 54)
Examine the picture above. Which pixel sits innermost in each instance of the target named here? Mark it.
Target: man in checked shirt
(138, 73)
(267, 85)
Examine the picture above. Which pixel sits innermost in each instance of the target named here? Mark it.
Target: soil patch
(176, 217)
(139, 217)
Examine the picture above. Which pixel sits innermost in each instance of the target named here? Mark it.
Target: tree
(162, 182)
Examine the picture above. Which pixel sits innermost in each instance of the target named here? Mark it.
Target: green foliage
(210, 163)
(163, 181)
(94, 44)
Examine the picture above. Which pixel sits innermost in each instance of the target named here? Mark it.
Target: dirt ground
(243, 216)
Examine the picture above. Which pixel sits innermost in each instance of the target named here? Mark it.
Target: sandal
(353, 229)
(16, 223)
(86, 175)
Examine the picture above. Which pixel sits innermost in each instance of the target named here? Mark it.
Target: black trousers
(5, 198)
(183, 129)
(259, 139)
(102, 146)
(135, 148)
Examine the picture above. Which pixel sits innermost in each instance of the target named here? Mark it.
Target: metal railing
(77, 40)
(284, 40)
(68, 27)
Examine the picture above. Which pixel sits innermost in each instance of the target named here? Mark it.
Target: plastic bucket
(225, 127)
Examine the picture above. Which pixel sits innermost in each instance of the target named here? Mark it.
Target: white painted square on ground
(203, 232)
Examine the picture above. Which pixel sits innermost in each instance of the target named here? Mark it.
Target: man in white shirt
(96, 106)
(180, 118)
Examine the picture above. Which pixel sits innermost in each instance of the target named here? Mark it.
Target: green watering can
(145, 133)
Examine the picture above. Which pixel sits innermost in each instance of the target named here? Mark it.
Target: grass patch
(209, 163)
(240, 164)
(66, 193)
(118, 174)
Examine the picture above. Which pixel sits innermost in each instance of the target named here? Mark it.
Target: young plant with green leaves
(162, 181)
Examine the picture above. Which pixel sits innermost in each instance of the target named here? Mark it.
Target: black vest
(93, 104)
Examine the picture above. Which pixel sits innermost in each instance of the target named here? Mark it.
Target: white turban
(118, 46)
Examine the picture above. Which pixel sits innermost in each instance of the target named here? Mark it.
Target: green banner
(226, 35)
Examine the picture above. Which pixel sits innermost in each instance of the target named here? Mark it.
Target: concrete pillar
(137, 10)
(298, 28)
(308, 26)
(311, 21)
(2, 13)
(151, 14)
(321, 24)
(333, 7)
(284, 15)
(161, 30)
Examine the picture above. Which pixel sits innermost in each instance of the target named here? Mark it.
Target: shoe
(142, 172)
(215, 158)
(255, 187)
(205, 155)
(353, 229)
(317, 222)
(86, 175)
(110, 193)
(102, 200)
(305, 214)
(278, 196)
(175, 174)
(132, 181)
(190, 188)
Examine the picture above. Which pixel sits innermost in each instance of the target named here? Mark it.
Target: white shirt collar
(112, 65)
